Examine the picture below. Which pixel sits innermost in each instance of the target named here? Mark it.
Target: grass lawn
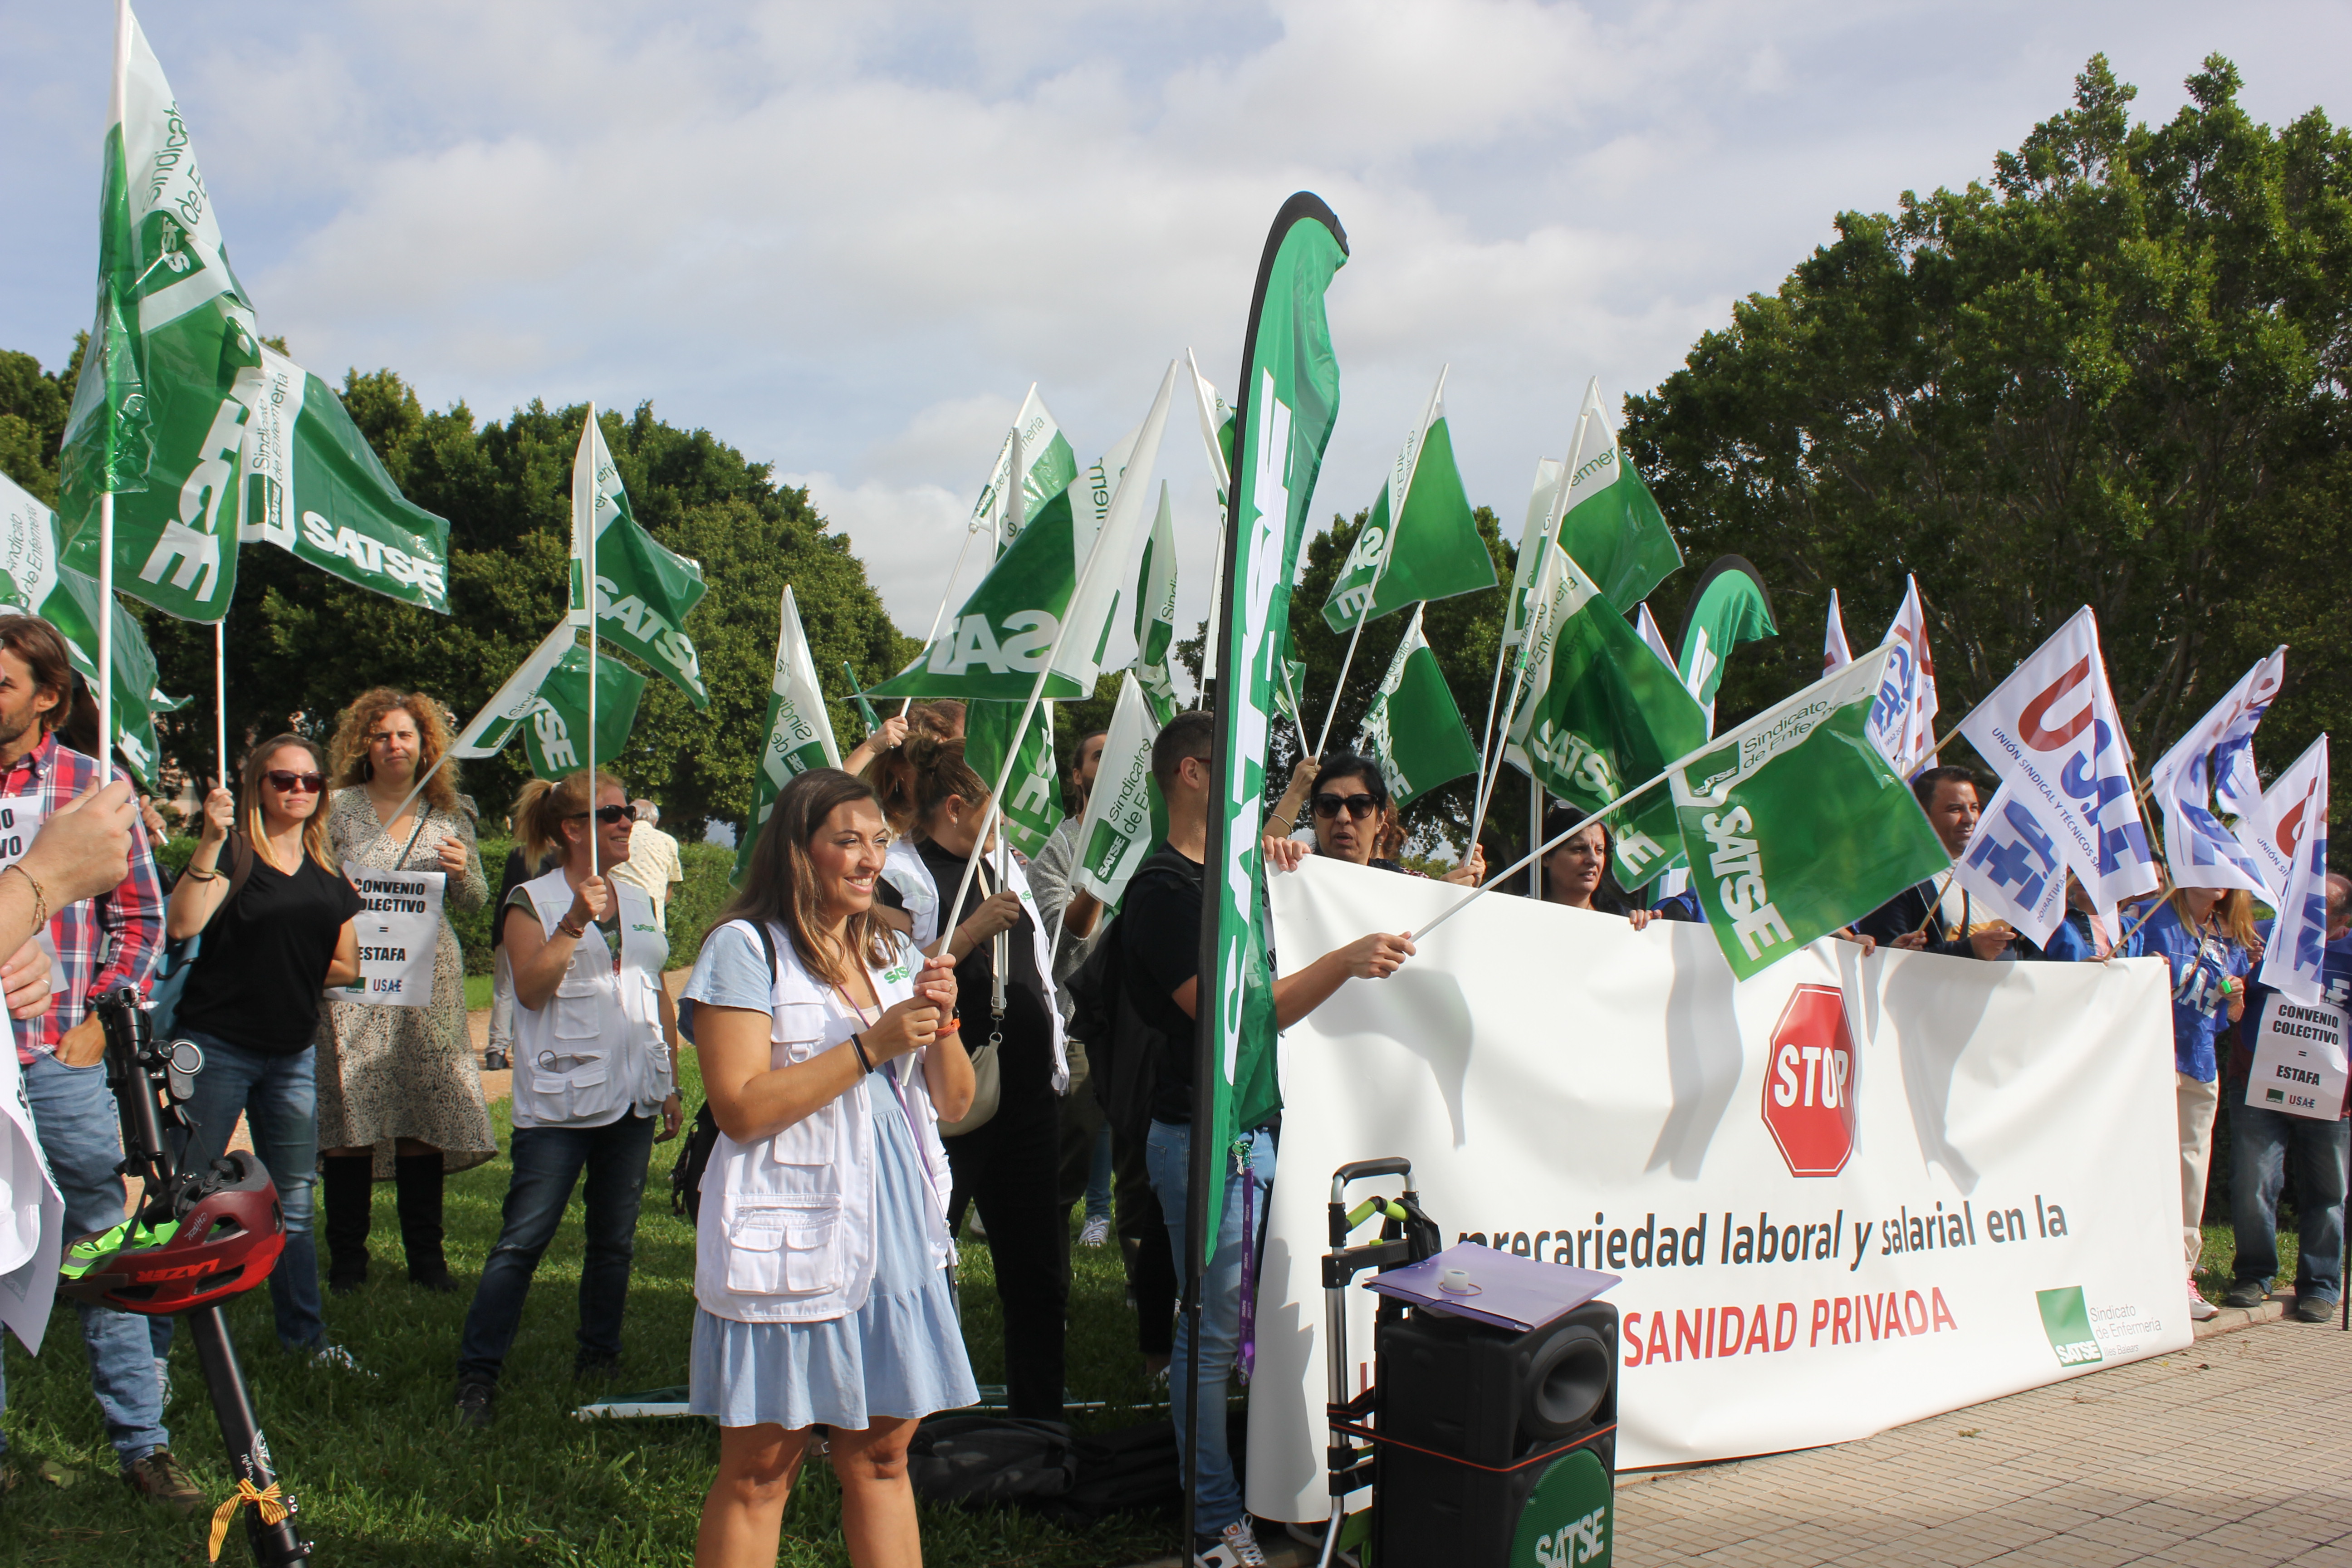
(477, 992)
(385, 1476)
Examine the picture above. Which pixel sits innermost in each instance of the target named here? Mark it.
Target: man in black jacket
(1935, 915)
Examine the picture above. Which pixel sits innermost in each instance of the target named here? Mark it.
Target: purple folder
(1509, 1292)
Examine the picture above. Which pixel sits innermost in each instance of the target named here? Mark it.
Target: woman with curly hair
(400, 1094)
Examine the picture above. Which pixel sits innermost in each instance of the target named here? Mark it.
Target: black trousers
(1008, 1169)
(1143, 1237)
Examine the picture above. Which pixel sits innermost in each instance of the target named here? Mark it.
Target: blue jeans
(2262, 1142)
(1167, 1154)
(279, 1097)
(81, 1133)
(547, 1164)
(1098, 1176)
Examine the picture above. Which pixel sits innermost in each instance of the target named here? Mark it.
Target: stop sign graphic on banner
(1809, 1090)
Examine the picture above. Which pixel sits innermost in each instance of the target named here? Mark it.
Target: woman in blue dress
(829, 1054)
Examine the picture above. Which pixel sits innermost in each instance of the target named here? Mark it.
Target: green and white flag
(1125, 816)
(1286, 692)
(1602, 712)
(545, 701)
(799, 729)
(1072, 561)
(1216, 418)
(172, 366)
(1288, 401)
(1796, 824)
(644, 591)
(32, 581)
(1412, 729)
(1728, 608)
(1155, 615)
(313, 487)
(1032, 807)
(1533, 537)
(1047, 467)
(1421, 541)
(1609, 521)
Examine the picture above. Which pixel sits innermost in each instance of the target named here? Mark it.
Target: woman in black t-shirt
(1009, 1166)
(268, 953)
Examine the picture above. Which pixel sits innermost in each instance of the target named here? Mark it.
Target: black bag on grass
(981, 1459)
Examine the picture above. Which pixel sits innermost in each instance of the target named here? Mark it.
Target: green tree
(2117, 375)
(301, 645)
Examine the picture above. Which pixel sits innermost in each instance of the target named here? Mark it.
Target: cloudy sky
(848, 237)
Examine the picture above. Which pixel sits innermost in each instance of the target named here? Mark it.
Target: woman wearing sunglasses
(1350, 801)
(399, 1092)
(277, 919)
(595, 1035)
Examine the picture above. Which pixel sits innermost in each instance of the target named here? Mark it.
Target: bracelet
(566, 928)
(40, 894)
(863, 1059)
(1289, 825)
(200, 874)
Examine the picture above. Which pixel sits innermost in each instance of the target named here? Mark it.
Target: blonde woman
(595, 1035)
(399, 1092)
(252, 1001)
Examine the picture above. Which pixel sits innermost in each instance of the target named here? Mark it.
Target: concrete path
(2235, 1453)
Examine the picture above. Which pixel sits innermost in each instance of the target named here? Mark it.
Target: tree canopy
(301, 644)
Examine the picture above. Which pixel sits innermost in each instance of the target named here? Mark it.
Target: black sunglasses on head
(608, 815)
(1357, 806)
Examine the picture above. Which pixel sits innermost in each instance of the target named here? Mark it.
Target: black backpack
(983, 1459)
(1125, 1052)
(694, 1154)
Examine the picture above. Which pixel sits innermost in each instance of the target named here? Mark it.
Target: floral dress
(386, 1073)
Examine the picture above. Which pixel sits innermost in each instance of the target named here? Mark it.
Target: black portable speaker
(1475, 1420)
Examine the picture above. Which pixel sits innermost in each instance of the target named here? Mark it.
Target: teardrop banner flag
(1729, 606)
(1286, 402)
(799, 729)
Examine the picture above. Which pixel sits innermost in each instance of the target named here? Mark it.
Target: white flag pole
(1535, 831)
(220, 686)
(106, 632)
(588, 591)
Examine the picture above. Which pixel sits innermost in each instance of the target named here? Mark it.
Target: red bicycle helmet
(225, 1236)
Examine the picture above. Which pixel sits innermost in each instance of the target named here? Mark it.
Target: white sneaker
(2200, 1309)
(1094, 1233)
(1233, 1547)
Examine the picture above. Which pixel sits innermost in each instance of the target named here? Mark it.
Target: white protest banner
(2299, 1066)
(32, 1215)
(1846, 1194)
(400, 926)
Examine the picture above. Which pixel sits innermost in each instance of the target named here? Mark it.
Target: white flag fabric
(1835, 655)
(1110, 563)
(514, 703)
(2212, 766)
(1533, 536)
(2293, 960)
(1047, 466)
(1123, 817)
(1903, 723)
(2013, 870)
(2052, 730)
(2268, 831)
(1648, 626)
(1216, 434)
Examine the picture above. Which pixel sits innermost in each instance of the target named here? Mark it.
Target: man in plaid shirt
(102, 943)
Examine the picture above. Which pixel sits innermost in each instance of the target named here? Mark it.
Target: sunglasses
(1357, 806)
(307, 784)
(608, 815)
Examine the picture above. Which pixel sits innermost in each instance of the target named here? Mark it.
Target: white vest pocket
(784, 1245)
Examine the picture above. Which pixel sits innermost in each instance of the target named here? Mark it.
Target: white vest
(787, 1231)
(904, 868)
(597, 1049)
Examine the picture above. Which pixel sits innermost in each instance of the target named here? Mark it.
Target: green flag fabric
(1155, 614)
(1609, 521)
(1413, 730)
(1421, 541)
(172, 366)
(313, 486)
(1728, 608)
(1533, 537)
(1286, 694)
(545, 701)
(1047, 467)
(1287, 402)
(1602, 712)
(866, 713)
(1071, 562)
(1031, 807)
(799, 729)
(33, 581)
(644, 591)
(1125, 815)
(1796, 823)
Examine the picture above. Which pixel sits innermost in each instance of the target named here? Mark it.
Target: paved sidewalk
(2235, 1453)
